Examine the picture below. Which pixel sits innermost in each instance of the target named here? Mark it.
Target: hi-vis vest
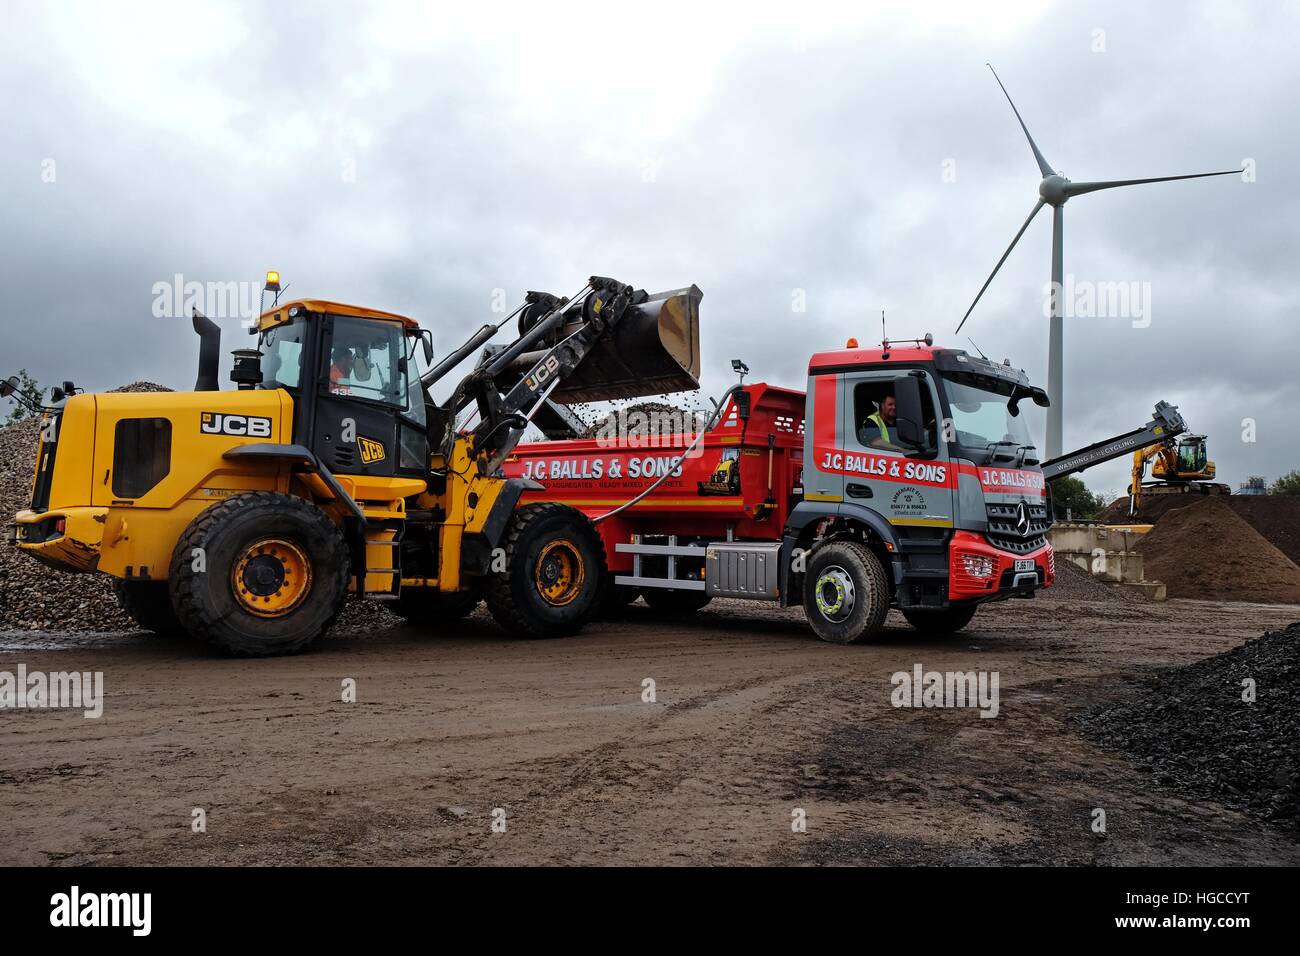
(876, 419)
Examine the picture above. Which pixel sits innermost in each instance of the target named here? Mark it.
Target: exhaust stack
(209, 353)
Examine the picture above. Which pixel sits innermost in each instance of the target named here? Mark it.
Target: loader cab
(358, 402)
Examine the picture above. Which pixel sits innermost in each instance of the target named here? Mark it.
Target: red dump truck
(800, 499)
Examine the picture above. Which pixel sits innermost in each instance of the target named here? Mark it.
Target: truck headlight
(977, 565)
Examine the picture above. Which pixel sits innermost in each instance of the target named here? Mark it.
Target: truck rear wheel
(429, 606)
(553, 571)
(846, 594)
(260, 574)
(149, 604)
(673, 601)
(948, 621)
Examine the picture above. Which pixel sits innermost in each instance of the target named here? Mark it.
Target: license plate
(1024, 564)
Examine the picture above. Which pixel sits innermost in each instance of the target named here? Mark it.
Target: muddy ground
(754, 718)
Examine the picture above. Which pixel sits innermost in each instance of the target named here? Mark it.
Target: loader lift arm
(641, 344)
(1166, 423)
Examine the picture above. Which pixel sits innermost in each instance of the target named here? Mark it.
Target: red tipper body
(597, 475)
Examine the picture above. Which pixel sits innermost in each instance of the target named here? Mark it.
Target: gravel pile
(1192, 730)
(661, 418)
(1075, 584)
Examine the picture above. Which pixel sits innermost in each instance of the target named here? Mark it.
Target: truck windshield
(982, 425)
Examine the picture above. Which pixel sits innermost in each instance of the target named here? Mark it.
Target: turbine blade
(1078, 189)
(1043, 166)
(1037, 206)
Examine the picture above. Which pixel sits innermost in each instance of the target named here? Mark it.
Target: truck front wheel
(552, 575)
(948, 621)
(846, 594)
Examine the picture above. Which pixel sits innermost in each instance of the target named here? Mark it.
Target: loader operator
(341, 368)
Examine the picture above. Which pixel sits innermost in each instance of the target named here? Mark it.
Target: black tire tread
(875, 572)
(184, 581)
(499, 595)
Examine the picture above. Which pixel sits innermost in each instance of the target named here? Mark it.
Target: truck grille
(1003, 531)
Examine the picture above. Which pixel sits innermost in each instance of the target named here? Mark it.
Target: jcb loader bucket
(654, 349)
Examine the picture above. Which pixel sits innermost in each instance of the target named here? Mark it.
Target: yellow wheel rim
(560, 573)
(271, 577)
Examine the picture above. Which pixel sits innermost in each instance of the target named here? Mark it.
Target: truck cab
(920, 455)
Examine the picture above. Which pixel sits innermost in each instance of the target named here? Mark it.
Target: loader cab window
(282, 355)
(367, 360)
(413, 440)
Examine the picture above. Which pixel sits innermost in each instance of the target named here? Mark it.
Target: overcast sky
(417, 157)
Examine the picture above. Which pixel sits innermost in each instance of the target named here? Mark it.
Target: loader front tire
(846, 593)
(149, 604)
(260, 574)
(552, 575)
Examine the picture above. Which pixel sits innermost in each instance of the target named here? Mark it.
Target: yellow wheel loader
(246, 516)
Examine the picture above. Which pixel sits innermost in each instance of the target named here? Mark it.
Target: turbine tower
(1054, 191)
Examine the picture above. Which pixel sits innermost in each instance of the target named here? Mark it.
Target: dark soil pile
(1075, 584)
(1154, 507)
(1209, 552)
(1276, 517)
(1192, 729)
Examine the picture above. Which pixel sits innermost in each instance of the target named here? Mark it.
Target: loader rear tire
(431, 607)
(260, 574)
(552, 575)
(948, 621)
(674, 602)
(149, 604)
(846, 593)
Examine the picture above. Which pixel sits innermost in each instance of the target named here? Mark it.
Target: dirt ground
(754, 720)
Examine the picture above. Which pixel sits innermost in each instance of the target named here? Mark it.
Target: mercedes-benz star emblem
(1022, 518)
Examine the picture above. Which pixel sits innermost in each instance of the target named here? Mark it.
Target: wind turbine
(1054, 191)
